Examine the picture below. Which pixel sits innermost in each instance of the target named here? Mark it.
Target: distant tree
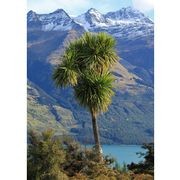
(86, 67)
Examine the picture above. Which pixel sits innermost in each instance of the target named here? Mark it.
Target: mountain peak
(128, 13)
(58, 11)
(94, 13)
(32, 16)
(91, 18)
(57, 20)
(131, 11)
(91, 10)
(31, 12)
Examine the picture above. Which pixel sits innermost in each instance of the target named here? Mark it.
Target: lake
(123, 153)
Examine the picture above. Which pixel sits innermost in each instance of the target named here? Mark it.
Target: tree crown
(85, 66)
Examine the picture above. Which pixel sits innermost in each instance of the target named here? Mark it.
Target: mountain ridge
(92, 17)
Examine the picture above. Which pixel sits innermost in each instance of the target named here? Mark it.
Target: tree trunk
(96, 137)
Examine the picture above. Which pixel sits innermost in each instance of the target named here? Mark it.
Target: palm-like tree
(94, 92)
(86, 67)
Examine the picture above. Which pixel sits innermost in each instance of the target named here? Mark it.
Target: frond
(85, 66)
(95, 91)
(66, 73)
(97, 51)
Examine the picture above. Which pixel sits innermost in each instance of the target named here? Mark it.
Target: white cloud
(143, 5)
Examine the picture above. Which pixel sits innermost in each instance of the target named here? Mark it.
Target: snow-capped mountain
(127, 15)
(57, 20)
(90, 21)
(130, 27)
(127, 23)
(92, 18)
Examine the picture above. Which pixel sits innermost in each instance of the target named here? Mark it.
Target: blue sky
(77, 7)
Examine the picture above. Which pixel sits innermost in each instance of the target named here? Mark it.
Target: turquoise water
(124, 153)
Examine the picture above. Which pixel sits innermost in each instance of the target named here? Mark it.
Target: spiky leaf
(95, 91)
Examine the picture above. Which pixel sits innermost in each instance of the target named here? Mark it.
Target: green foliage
(45, 157)
(66, 73)
(83, 163)
(122, 169)
(95, 91)
(95, 51)
(50, 158)
(148, 165)
(85, 66)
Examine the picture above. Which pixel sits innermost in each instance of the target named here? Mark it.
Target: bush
(50, 158)
(143, 177)
(148, 165)
(45, 157)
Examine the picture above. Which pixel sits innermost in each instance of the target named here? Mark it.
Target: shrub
(50, 158)
(45, 157)
(148, 165)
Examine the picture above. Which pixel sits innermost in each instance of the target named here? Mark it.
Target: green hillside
(44, 112)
